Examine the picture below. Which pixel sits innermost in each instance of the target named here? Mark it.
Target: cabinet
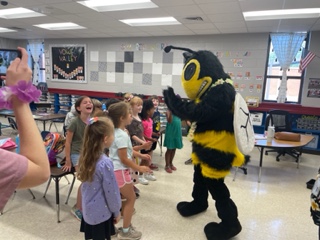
(307, 124)
(258, 120)
(62, 102)
(44, 105)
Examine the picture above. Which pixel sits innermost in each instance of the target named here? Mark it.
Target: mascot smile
(215, 148)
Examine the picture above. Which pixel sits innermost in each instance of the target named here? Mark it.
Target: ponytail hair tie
(92, 120)
(128, 99)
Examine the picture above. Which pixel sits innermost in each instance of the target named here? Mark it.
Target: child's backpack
(54, 144)
(315, 201)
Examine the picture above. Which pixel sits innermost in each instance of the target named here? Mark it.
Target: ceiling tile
(218, 17)
(223, 7)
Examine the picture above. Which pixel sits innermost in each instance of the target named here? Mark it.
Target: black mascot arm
(172, 101)
(217, 102)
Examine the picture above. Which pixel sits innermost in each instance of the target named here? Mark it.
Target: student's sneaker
(150, 177)
(76, 213)
(143, 181)
(132, 234)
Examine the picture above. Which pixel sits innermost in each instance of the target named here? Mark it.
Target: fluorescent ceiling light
(282, 14)
(19, 13)
(117, 5)
(2, 30)
(60, 26)
(150, 21)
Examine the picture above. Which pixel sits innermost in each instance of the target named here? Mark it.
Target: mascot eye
(189, 72)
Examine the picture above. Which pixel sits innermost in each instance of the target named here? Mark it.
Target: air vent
(194, 18)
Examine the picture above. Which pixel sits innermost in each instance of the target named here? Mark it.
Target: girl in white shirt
(121, 154)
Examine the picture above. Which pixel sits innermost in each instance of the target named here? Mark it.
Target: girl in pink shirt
(147, 123)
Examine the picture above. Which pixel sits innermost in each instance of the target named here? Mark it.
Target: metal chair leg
(71, 187)
(243, 168)
(31, 193)
(160, 146)
(57, 198)
(67, 179)
(235, 174)
(48, 185)
(55, 126)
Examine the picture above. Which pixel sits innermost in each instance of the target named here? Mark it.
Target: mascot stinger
(214, 145)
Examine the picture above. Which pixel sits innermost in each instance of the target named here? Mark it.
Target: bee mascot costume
(212, 111)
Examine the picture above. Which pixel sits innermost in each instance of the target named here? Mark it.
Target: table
(48, 117)
(43, 117)
(262, 144)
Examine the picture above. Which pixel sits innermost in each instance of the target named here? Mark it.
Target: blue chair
(13, 125)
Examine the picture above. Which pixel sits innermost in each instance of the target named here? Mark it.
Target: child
(97, 108)
(172, 140)
(136, 133)
(121, 154)
(101, 201)
(70, 116)
(31, 167)
(155, 128)
(73, 145)
(147, 123)
(127, 97)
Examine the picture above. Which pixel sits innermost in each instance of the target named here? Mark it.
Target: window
(36, 60)
(274, 73)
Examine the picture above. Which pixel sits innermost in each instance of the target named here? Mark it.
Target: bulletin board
(68, 63)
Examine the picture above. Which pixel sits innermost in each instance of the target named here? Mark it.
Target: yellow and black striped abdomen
(216, 152)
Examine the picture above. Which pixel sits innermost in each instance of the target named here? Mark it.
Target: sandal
(173, 168)
(168, 169)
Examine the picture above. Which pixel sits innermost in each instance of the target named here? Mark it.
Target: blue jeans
(75, 159)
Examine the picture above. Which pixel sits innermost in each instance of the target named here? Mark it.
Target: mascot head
(201, 70)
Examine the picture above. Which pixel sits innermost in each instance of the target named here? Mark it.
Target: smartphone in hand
(6, 57)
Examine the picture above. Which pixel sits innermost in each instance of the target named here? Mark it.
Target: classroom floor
(276, 208)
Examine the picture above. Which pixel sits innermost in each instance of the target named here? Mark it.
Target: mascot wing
(243, 129)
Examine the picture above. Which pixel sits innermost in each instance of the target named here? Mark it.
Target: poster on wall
(314, 88)
(68, 63)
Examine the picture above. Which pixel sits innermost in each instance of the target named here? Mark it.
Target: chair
(281, 120)
(64, 130)
(14, 194)
(55, 175)
(13, 125)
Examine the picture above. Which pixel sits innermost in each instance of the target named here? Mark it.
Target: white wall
(250, 49)
(312, 71)
(8, 43)
(233, 44)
